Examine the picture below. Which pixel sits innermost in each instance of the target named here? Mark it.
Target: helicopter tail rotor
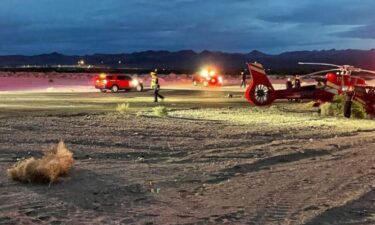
(260, 91)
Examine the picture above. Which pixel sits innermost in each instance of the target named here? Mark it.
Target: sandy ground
(141, 169)
(44, 82)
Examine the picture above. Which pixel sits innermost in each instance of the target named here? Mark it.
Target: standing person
(297, 82)
(289, 84)
(243, 79)
(155, 85)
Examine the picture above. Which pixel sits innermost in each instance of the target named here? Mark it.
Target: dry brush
(56, 162)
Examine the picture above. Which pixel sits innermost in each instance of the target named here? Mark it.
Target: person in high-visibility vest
(155, 85)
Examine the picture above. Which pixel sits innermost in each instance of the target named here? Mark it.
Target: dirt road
(185, 170)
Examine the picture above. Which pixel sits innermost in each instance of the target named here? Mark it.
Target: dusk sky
(123, 26)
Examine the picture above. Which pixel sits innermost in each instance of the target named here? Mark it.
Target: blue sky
(123, 26)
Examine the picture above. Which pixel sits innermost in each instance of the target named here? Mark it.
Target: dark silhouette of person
(289, 84)
(297, 82)
(243, 79)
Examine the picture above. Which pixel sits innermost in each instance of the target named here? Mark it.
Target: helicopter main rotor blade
(319, 64)
(319, 72)
(366, 71)
(345, 69)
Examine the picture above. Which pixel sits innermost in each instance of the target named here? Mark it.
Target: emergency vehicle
(115, 83)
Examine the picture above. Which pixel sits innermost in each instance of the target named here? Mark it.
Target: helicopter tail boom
(260, 91)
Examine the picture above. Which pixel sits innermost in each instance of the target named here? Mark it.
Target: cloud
(361, 32)
(328, 12)
(115, 26)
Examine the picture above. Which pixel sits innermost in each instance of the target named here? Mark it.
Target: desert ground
(212, 160)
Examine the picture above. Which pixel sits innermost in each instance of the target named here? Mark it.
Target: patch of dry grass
(160, 111)
(336, 108)
(274, 117)
(56, 162)
(123, 108)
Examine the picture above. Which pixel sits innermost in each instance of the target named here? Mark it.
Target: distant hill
(188, 60)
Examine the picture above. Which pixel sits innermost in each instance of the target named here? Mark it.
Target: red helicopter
(337, 81)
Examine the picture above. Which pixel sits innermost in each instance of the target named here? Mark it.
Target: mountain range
(190, 61)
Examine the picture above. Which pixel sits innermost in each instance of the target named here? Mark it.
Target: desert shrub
(123, 108)
(56, 162)
(358, 111)
(336, 108)
(308, 105)
(160, 111)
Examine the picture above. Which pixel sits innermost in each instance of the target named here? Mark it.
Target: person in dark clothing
(297, 82)
(243, 79)
(289, 84)
(155, 85)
